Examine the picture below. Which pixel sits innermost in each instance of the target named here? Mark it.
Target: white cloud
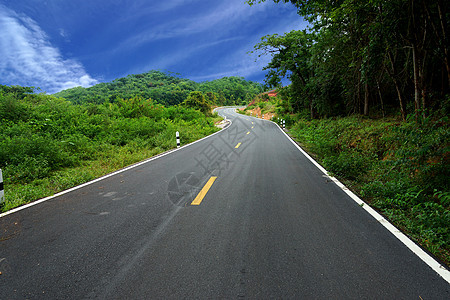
(161, 6)
(214, 25)
(239, 62)
(28, 58)
(165, 61)
(218, 20)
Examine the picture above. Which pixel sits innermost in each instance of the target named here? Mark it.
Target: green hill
(49, 143)
(164, 88)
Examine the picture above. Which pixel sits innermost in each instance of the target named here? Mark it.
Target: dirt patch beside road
(256, 112)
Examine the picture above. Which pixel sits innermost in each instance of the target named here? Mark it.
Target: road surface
(240, 214)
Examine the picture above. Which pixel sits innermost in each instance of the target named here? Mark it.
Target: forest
(49, 143)
(366, 57)
(166, 89)
(369, 99)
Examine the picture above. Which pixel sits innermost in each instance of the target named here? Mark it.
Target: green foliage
(48, 144)
(10, 109)
(196, 100)
(443, 197)
(401, 168)
(231, 90)
(164, 88)
(363, 56)
(351, 165)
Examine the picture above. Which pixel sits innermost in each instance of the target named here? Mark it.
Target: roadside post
(178, 139)
(2, 192)
(284, 124)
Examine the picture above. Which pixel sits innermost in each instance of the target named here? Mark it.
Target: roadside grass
(216, 118)
(262, 105)
(48, 145)
(114, 159)
(110, 159)
(399, 168)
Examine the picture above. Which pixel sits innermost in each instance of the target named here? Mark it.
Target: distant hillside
(164, 88)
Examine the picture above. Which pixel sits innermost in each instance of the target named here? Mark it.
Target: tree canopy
(360, 55)
(165, 88)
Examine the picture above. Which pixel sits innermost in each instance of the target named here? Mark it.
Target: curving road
(240, 214)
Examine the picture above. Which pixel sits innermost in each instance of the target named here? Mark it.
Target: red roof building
(272, 93)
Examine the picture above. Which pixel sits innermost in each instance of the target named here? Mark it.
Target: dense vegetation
(369, 98)
(165, 88)
(48, 144)
(52, 142)
(364, 57)
(400, 168)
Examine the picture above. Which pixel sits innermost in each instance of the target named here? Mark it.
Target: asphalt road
(271, 225)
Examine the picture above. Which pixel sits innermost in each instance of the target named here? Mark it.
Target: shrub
(12, 109)
(402, 169)
(350, 165)
(46, 143)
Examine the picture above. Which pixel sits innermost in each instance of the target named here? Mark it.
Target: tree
(359, 44)
(197, 100)
(291, 58)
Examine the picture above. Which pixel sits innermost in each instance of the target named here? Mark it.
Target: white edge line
(108, 175)
(425, 257)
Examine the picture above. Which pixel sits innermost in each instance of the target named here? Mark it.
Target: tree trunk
(424, 102)
(366, 99)
(423, 87)
(358, 95)
(444, 32)
(381, 98)
(416, 81)
(400, 99)
(442, 24)
(311, 107)
(397, 86)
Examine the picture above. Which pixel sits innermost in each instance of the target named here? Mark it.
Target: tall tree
(291, 58)
(405, 40)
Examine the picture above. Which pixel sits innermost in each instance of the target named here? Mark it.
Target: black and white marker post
(178, 139)
(2, 192)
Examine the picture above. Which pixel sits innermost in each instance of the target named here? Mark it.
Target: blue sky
(59, 44)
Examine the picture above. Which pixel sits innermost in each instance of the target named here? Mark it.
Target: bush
(44, 139)
(402, 169)
(350, 165)
(12, 109)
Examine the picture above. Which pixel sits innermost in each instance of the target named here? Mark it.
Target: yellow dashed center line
(203, 192)
(237, 146)
(248, 132)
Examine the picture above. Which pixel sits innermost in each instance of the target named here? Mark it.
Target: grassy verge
(400, 168)
(113, 159)
(48, 144)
